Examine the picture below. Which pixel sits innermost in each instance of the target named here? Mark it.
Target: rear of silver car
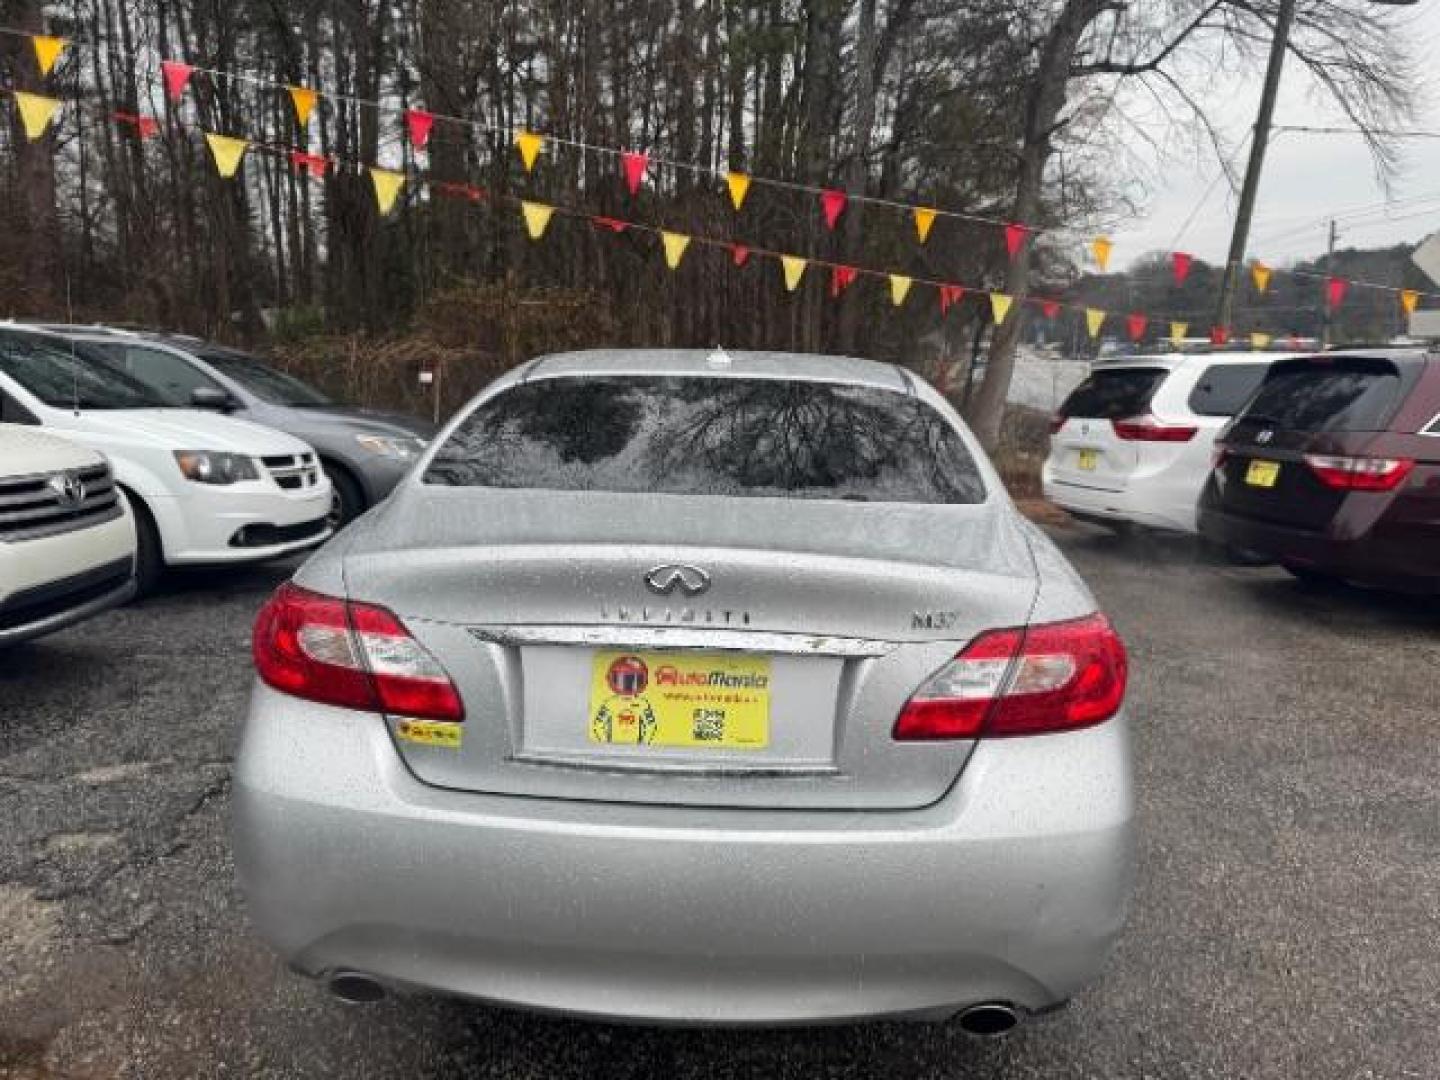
(594, 716)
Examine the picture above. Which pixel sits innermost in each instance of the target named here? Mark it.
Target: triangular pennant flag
(675, 245)
(924, 220)
(1050, 308)
(899, 288)
(635, 167)
(1094, 319)
(1000, 306)
(739, 254)
(1335, 291)
(314, 164)
(537, 217)
(1101, 247)
(1135, 325)
(1015, 239)
(387, 183)
(615, 225)
(418, 123)
(227, 151)
(304, 100)
(794, 268)
(1409, 300)
(36, 112)
(1260, 342)
(1260, 274)
(529, 144)
(1177, 332)
(177, 77)
(1180, 266)
(832, 205)
(840, 279)
(950, 294)
(739, 185)
(47, 51)
(1219, 335)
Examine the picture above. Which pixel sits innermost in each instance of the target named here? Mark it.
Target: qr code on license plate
(709, 725)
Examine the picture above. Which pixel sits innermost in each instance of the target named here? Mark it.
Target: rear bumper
(1137, 504)
(1013, 887)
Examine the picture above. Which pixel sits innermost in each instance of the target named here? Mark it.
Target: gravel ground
(1285, 923)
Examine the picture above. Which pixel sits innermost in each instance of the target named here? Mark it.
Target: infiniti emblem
(69, 489)
(690, 580)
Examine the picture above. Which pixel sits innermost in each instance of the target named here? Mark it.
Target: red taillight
(354, 655)
(1149, 429)
(1359, 473)
(1055, 677)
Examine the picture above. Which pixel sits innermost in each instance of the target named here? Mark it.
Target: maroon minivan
(1333, 470)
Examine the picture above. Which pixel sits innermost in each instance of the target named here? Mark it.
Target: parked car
(698, 689)
(364, 452)
(205, 489)
(1333, 470)
(67, 539)
(1131, 444)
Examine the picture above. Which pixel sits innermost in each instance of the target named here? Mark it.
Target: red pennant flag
(615, 225)
(840, 279)
(314, 164)
(635, 168)
(1335, 291)
(1136, 325)
(1219, 335)
(417, 126)
(950, 294)
(1051, 308)
(177, 77)
(148, 126)
(739, 254)
(1180, 265)
(1015, 239)
(832, 204)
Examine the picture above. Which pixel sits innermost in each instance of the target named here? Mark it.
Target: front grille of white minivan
(293, 472)
(46, 504)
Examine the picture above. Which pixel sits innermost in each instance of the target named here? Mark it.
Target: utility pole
(1327, 314)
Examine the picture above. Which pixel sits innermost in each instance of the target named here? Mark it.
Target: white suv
(1132, 444)
(67, 540)
(205, 489)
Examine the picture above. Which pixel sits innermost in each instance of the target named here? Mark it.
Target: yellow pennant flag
(1409, 300)
(794, 269)
(1260, 273)
(1177, 332)
(924, 219)
(899, 288)
(675, 245)
(1259, 341)
(387, 183)
(304, 99)
(739, 185)
(47, 51)
(1000, 306)
(537, 218)
(1094, 319)
(529, 144)
(36, 112)
(228, 152)
(1101, 247)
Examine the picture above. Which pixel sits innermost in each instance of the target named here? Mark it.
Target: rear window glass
(701, 436)
(1343, 395)
(1114, 395)
(1224, 388)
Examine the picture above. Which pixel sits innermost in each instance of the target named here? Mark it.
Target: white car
(1132, 444)
(205, 489)
(67, 540)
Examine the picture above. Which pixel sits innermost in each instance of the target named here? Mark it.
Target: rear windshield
(1114, 394)
(1349, 394)
(1224, 388)
(702, 436)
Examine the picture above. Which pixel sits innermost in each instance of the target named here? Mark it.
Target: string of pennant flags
(37, 113)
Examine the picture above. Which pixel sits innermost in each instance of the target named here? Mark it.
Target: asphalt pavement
(1285, 924)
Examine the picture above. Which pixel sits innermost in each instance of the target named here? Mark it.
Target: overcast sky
(1307, 178)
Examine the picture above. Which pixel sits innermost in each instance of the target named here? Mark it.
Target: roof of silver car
(721, 363)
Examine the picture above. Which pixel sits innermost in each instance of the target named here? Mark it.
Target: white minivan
(205, 489)
(1132, 444)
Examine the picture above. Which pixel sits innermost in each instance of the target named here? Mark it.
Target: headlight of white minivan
(214, 467)
(400, 448)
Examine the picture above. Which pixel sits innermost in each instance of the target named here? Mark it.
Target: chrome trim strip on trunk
(625, 636)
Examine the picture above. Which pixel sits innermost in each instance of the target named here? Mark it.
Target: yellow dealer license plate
(1262, 474)
(1089, 459)
(694, 700)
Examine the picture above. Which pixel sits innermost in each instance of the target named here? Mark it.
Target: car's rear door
(1085, 449)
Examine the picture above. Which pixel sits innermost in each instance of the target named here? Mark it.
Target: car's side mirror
(211, 397)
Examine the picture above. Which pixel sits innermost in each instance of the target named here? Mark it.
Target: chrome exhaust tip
(354, 988)
(989, 1020)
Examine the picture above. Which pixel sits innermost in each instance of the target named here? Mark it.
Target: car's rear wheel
(346, 500)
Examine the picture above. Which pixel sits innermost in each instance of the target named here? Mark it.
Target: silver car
(676, 687)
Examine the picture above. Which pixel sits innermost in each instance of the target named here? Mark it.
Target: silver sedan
(695, 688)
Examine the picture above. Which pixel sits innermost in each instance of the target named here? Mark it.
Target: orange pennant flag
(1409, 300)
(529, 144)
(1101, 247)
(537, 218)
(1260, 274)
(794, 267)
(1000, 306)
(1177, 332)
(1094, 319)
(227, 152)
(47, 51)
(675, 245)
(36, 112)
(387, 183)
(304, 100)
(899, 288)
(924, 219)
(739, 185)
